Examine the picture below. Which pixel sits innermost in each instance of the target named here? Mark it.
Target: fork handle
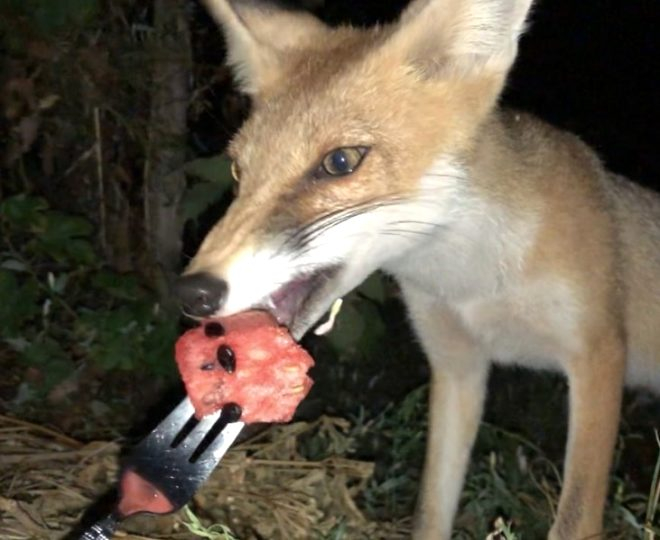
(101, 530)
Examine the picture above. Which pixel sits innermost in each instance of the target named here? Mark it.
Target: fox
(386, 148)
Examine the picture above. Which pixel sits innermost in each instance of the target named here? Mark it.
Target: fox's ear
(460, 37)
(259, 34)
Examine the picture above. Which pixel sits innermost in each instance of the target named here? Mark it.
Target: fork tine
(183, 409)
(213, 446)
(223, 441)
(199, 432)
(174, 422)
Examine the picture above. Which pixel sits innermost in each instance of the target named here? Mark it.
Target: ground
(348, 469)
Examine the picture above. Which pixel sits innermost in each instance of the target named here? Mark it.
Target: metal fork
(176, 458)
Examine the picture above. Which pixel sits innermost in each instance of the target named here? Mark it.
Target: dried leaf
(27, 131)
(263, 486)
(47, 102)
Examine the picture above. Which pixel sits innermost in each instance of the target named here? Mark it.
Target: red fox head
(354, 151)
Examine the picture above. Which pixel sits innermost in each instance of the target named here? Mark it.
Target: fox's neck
(475, 253)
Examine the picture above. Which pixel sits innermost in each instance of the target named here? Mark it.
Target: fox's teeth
(324, 328)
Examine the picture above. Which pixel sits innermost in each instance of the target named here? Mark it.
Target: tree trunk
(164, 181)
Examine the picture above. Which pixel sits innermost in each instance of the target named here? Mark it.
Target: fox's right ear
(460, 37)
(260, 35)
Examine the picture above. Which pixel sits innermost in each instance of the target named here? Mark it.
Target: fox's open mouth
(300, 296)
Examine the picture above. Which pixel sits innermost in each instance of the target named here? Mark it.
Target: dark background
(593, 67)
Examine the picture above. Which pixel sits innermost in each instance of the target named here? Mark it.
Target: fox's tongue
(300, 303)
(287, 300)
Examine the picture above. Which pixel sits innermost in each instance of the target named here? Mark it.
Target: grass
(330, 479)
(512, 487)
(213, 532)
(651, 525)
(511, 491)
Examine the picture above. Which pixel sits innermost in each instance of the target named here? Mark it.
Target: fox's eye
(343, 161)
(235, 171)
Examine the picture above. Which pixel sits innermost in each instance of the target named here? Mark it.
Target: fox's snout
(200, 294)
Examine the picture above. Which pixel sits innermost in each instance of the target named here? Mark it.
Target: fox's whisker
(309, 232)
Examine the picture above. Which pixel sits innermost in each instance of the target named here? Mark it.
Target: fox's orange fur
(509, 240)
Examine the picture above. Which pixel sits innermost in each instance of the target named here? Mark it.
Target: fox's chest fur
(473, 268)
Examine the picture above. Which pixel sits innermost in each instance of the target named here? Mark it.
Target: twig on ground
(59, 437)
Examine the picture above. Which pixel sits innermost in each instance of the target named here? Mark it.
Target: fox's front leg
(456, 403)
(459, 374)
(595, 382)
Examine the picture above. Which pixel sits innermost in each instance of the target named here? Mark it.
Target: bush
(64, 310)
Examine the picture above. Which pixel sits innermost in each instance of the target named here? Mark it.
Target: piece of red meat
(140, 495)
(247, 359)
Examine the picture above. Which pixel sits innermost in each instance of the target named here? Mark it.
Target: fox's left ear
(259, 36)
(460, 37)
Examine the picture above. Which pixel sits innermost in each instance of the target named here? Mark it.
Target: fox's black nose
(200, 294)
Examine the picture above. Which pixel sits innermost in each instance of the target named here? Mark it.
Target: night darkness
(593, 67)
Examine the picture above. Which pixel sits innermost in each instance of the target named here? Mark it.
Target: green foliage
(213, 532)
(339, 532)
(214, 169)
(199, 197)
(400, 440)
(52, 361)
(128, 337)
(508, 476)
(511, 490)
(212, 183)
(62, 309)
(119, 286)
(62, 237)
(652, 521)
(359, 328)
(22, 211)
(20, 302)
(47, 233)
(41, 19)
(51, 16)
